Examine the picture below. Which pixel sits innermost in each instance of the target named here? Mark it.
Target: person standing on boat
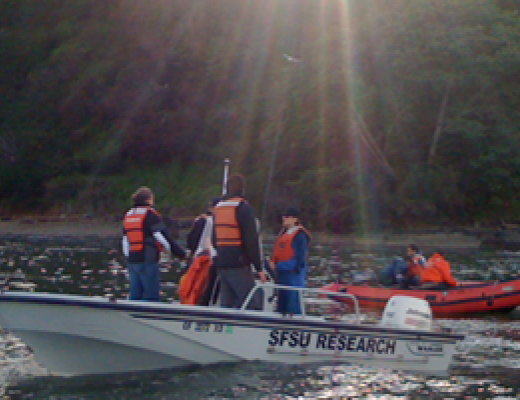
(289, 261)
(144, 237)
(198, 242)
(237, 243)
(437, 273)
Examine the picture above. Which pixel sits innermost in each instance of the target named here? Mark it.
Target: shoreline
(55, 227)
(110, 229)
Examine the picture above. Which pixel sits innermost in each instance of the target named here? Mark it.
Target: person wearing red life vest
(144, 237)
(289, 261)
(235, 238)
(415, 265)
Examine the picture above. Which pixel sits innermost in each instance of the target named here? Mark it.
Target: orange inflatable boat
(469, 297)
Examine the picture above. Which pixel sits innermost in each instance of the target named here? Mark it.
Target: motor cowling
(407, 312)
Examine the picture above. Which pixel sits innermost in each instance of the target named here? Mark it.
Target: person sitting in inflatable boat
(437, 273)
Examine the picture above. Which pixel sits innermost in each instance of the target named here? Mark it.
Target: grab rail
(300, 295)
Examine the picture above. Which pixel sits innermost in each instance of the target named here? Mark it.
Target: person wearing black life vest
(289, 261)
(237, 244)
(144, 237)
(195, 233)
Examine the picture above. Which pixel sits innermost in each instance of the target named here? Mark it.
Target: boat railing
(302, 298)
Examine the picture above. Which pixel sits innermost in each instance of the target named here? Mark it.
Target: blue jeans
(408, 281)
(289, 300)
(144, 281)
(389, 275)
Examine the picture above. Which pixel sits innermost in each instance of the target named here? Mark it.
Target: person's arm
(421, 261)
(160, 234)
(249, 233)
(401, 268)
(446, 274)
(193, 237)
(297, 261)
(125, 246)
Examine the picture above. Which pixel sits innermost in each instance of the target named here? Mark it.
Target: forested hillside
(365, 113)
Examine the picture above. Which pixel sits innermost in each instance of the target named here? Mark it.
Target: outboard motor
(407, 313)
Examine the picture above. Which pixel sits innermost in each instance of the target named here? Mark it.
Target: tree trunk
(440, 122)
(366, 136)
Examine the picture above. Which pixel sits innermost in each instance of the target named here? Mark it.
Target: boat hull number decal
(206, 327)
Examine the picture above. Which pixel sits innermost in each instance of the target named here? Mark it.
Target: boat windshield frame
(301, 291)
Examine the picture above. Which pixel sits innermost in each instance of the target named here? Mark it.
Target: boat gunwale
(441, 306)
(211, 313)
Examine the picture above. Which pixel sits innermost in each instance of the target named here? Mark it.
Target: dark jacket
(230, 257)
(195, 233)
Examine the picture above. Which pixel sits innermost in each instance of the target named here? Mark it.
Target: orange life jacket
(283, 249)
(227, 231)
(133, 227)
(438, 270)
(194, 282)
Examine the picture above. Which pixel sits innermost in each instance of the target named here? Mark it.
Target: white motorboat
(75, 335)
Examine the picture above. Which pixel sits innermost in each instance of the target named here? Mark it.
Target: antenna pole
(226, 175)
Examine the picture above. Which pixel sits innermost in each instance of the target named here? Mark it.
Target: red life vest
(133, 227)
(283, 249)
(227, 231)
(193, 284)
(414, 266)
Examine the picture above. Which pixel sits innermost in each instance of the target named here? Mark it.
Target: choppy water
(487, 364)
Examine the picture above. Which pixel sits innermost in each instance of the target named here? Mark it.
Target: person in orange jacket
(437, 273)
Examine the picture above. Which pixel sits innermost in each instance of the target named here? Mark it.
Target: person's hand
(165, 257)
(271, 264)
(262, 276)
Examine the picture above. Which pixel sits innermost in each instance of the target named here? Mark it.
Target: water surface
(487, 364)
